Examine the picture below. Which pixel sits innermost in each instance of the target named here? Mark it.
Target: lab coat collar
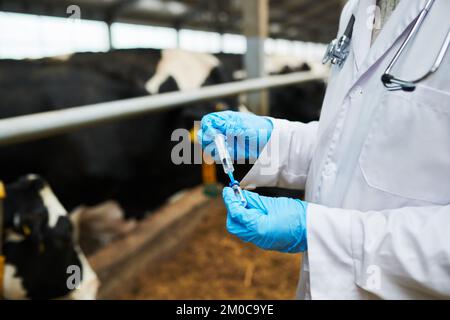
(366, 56)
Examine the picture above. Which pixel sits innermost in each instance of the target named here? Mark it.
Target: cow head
(43, 259)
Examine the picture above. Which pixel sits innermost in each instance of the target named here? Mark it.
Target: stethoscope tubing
(410, 35)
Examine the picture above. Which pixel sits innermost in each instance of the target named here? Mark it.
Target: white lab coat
(376, 167)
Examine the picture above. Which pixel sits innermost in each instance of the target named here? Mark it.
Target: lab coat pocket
(407, 150)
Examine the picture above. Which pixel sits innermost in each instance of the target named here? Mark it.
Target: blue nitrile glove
(248, 132)
(270, 223)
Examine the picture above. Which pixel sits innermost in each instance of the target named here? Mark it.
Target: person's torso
(379, 149)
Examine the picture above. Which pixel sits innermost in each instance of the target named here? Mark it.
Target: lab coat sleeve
(392, 254)
(284, 162)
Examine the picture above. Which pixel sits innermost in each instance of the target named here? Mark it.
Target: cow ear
(35, 182)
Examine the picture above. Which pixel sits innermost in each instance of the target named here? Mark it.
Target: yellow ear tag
(193, 133)
(2, 191)
(26, 230)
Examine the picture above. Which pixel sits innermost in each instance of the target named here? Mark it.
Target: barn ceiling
(305, 20)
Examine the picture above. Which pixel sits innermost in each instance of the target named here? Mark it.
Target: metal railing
(46, 124)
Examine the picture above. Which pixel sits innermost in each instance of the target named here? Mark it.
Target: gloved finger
(236, 210)
(206, 135)
(243, 232)
(203, 139)
(208, 145)
(215, 122)
(234, 227)
(255, 201)
(209, 148)
(263, 203)
(207, 131)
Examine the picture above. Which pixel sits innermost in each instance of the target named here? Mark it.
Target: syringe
(224, 155)
(238, 192)
(228, 168)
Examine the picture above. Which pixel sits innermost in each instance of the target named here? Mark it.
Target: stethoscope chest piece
(338, 49)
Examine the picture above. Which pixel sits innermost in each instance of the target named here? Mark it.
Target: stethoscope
(338, 50)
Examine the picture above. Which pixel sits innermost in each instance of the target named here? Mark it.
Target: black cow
(40, 246)
(128, 161)
(301, 102)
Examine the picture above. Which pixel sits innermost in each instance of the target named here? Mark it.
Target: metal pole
(110, 36)
(46, 124)
(256, 22)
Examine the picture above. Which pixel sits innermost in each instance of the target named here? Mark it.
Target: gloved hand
(270, 223)
(251, 132)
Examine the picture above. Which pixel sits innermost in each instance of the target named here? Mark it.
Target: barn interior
(92, 95)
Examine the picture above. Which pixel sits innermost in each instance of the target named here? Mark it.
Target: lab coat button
(358, 91)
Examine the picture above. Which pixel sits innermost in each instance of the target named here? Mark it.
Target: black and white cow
(43, 259)
(117, 161)
(113, 161)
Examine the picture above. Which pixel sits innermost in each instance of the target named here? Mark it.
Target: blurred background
(40, 28)
(149, 228)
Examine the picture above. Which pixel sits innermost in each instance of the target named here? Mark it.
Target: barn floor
(212, 264)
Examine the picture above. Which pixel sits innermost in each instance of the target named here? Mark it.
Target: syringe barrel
(224, 155)
(238, 193)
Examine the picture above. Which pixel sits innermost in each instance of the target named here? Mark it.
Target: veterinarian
(375, 222)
